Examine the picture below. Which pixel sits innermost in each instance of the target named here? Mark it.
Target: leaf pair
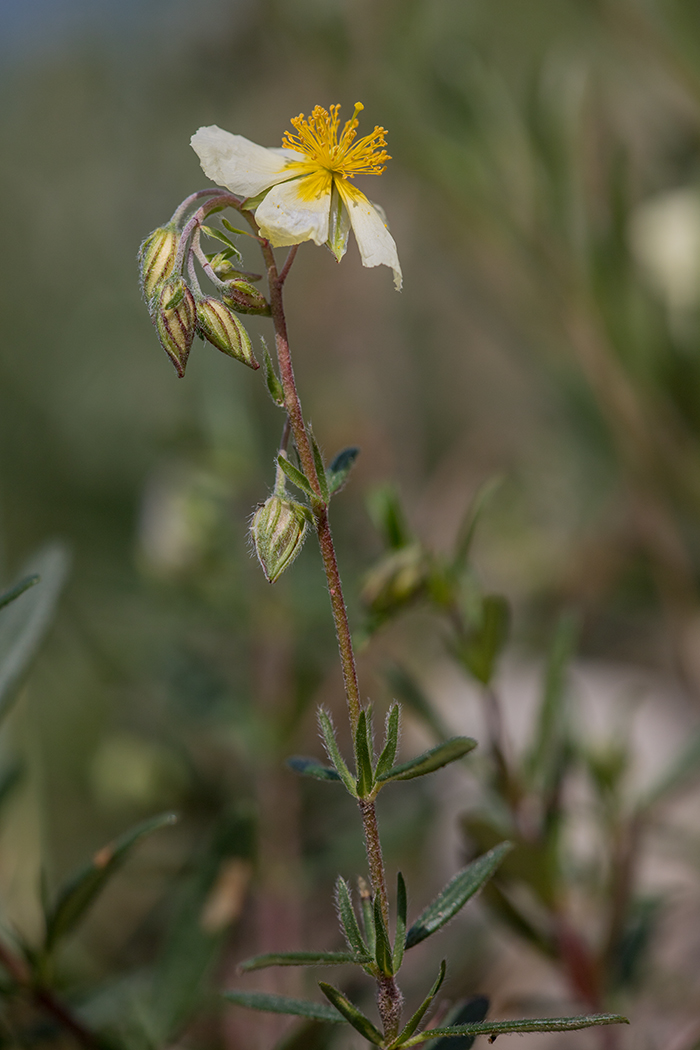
(331, 479)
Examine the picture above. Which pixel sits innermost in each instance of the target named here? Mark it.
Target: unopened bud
(245, 298)
(396, 580)
(278, 530)
(222, 328)
(156, 258)
(175, 317)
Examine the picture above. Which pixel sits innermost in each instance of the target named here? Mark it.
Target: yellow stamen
(330, 153)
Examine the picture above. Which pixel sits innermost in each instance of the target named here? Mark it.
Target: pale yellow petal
(377, 246)
(290, 214)
(237, 163)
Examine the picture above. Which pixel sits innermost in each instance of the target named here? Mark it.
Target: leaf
(391, 741)
(363, 760)
(420, 1013)
(339, 470)
(405, 685)
(262, 962)
(25, 618)
(401, 910)
(485, 644)
(535, 1024)
(351, 1014)
(78, 893)
(219, 236)
(274, 386)
(282, 1004)
(334, 751)
(309, 767)
(367, 915)
(19, 588)
(456, 893)
(382, 946)
(431, 760)
(348, 918)
(466, 533)
(388, 517)
(474, 1009)
(232, 229)
(320, 468)
(549, 727)
(295, 476)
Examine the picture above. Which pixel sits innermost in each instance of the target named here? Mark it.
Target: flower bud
(156, 258)
(245, 298)
(278, 530)
(396, 580)
(175, 317)
(222, 328)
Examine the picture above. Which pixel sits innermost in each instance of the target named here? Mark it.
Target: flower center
(334, 154)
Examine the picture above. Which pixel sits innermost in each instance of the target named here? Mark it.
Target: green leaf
(25, 618)
(476, 507)
(473, 1009)
(348, 918)
(19, 588)
(309, 767)
(382, 946)
(420, 1013)
(534, 1024)
(219, 236)
(456, 893)
(333, 750)
(175, 299)
(78, 893)
(363, 759)
(367, 915)
(388, 517)
(274, 386)
(262, 962)
(486, 642)
(405, 685)
(282, 1004)
(351, 1014)
(232, 229)
(431, 760)
(339, 470)
(550, 723)
(296, 476)
(320, 468)
(391, 742)
(401, 911)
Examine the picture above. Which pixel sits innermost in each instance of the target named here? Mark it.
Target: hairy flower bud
(278, 530)
(222, 328)
(175, 316)
(156, 258)
(396, 580)
(244, 297)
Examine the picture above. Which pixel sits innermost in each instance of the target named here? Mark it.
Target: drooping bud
(175, 317)
(223, 329)
(278, 530)
(156, 258)
(245, 298)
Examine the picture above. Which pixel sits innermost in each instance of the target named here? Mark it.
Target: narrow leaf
(456, 894)
(473, 1009)
(431, 760)
(295, 476)
(274, 386)
(320, 467)
(351, 1014)
(339, 470)
(219, 236)
(81, 889)
(535, 1024)
(466, 532)
(348, 918)
(334, 751)
(391, 742)
(401, 910)
(485, 644)
(232, 229)
(420, 1013)
(363, 760)
(25, 618)
(309, 767)
(382, 947)
(19, 588)
(388, 517)
(551, 713)
(262, 962)
(282, 1004)
(367, 915)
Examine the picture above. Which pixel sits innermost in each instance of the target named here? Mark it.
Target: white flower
(307, 187)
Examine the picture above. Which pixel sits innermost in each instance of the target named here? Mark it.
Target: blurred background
(544, 194)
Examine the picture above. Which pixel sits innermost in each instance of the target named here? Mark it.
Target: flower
(307, 184)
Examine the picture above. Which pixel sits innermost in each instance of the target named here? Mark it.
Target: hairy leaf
(333, 750)
(261, 962)
(388, 755)
(431, 760)
(339, 470)
(295, 476)
(282, 1004)
(351, 1014)
(309, 767)
(420, 1013)
(348, 918)
(401, 909)
(365, 777)
(473, 1009)
(534, 1024)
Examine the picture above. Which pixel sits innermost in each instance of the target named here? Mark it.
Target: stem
(182, 209)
